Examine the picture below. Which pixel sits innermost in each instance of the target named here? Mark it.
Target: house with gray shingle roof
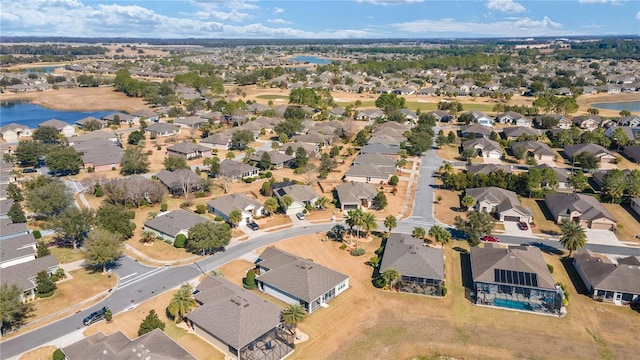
(5, 206)
(354, 195)
(221, 141)
(236, 170)
(8, 229)
(475, 130)
(278, 160)
(98, 153)
(153, 345)
(504, 204)
(12, 132)
(584, 209)
(247, 206)
(302, 195)
(380, 149)
(180, 181)
(369, 173)
(295, 280)
(514, 132)
(536, 149)
(238, 322)
(192, 122)
(514, 278)
(600, 152)
(169, 224)
(562, 175)
(162, 130)
(484, 147)
(488, 168)
(62, 127)
(616, 282)
(188, 150)
(421, 267)
(23, 275)
(17, 250)
(89, 119)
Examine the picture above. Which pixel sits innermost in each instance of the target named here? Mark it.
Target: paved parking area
(511, 228)
(491, 161)
(602, 237)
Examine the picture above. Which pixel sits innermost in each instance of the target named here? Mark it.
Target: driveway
(511, 228)
(492, 161)
(602, 237)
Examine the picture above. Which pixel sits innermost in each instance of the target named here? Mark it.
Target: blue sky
(318, 18)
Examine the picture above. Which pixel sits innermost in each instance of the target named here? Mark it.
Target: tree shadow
(547, 248)
(467, 279)
(579, 285)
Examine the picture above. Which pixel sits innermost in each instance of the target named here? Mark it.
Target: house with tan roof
(13, 132)
(617, 281)
(236, 170)
(295, 280)
(188, 150)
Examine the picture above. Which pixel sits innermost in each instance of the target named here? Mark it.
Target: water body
(633, 106)
(42, 69)
(31, 115)
(312, 60)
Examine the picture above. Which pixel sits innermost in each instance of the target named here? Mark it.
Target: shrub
(550, 268)
(393, 181)
(380, 250)
(36, 234)
(249, 180)
(164, 207)
(268, 175)
(379, 282)
(343, 247)
(58, 355)
(108, 315)
(180, 241)
(131, 214)
(149, 152)
(159, 147)
(444, 291)
(153, 177)
(357, 252)
(201, 208)
(200, 194)
(58, 275)
(46, 295)
(90, 169)
(99, 192)
(249, 282)
(219, 218)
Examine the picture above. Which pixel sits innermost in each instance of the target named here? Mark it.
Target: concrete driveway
(602, 237)
(491, 161)
(511, 228)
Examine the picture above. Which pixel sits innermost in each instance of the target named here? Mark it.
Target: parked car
(253, 226)
(300, 216)
(523, 225)
(490, 238)
(95, 316)
(29, 171)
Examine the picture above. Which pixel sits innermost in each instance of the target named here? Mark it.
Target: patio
(274, 345)
(519, 298)
(419, 286)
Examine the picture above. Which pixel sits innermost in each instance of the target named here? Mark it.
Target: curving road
(139, 283)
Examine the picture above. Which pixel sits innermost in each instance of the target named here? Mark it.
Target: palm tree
(235, 216)
(391, 276)
(368, 224)
(182, 302)
(152, 214)
(285, 202)
(440, 234)
(467, 202)
(447, 167)
(418, 232)
(147, 237)
(322, 202)
(354, 219)
(573, 236)
(292, 316)
(390, 222)
(271, 205)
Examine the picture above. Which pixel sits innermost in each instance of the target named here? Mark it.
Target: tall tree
(440, 234)
(293, 315)
(587, 161)
(265, 161)
(301, 158)
(48, 197)
(102, 247)
(150, 323)
(44, 284)
(573, 236)
(633, 184)
(380, 201)
(369, 223)
(172, 163)
(134, 161)
(474, 226)
(285, 202)
(16, 214)
(74, 224)
(391, 276)
(354, 220)
(241, 138)
(182, 302)
(115, 218)
(136, 137)
(63, 159)
(614, 184)
(418, 232)
(14, 192)
(46, 134)
(578, 180)
(467, 202)
(28, 152)
(13, 310)
(214, 165)
(207, 236)
(390, 222)
(271, 205)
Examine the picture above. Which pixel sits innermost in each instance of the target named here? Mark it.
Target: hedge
(180, 241)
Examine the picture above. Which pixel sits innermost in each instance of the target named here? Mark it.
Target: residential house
(563, 121)
(355, 195)
(583, 209)
(514, 132)
(190, 122)
(487, 169)
(404, 90)
(9, 229)
(148, 115)
(120, 117)
(157, 130)
(382, 149)
(410, 115)
(89, 119)
(600, 152)
(536, 149)
(369, 173)
(98, 154)
(314, 138)
(503, 204)
(12, 133)
(370, 115)
(514, 278)
(17, 250)
(587, 122)
(180, 181)
(512, 117)
(484, 147)
(236, 170)
(224, 205)
(188, 150)
(302, 195)
(630, 120)
(220, 141)
(95, 135)
(278, 159)
(23, 274)
(152, 345)
(256, 108)
(336, 113)
(62, 127)
(562, 175)
(170, 224)
(597, 178)
(295, 280)
(635, 205)
(5, 206)
(475, 130)
(482, 118)
(375, 159)
(630, 132)
(311, 149)
(441, 115)
(238, 322)
(421, 267)
(617, 282)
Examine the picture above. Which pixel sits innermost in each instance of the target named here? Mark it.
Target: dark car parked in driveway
(253, 226)
(29, 171)
(523, 225)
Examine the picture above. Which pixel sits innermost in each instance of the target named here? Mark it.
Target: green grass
(272, 97)
(66, 255)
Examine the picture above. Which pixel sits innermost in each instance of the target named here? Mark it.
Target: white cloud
(278, 10)
(390, 2)
(506, 6)
(279, 21)
(638, 16)
(512, 27)
(613, 2)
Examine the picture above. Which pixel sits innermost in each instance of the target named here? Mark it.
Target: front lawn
(628, 224)
(542, 225)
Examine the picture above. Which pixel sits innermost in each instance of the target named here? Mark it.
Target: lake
(31, 115)
(42, 69)
(633, 106)
(312, 59)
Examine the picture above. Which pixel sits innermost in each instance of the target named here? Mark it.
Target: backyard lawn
(628, 224)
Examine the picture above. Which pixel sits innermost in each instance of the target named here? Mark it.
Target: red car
(523, 225)
(490, 238)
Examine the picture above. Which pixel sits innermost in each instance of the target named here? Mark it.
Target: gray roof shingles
(407, 254)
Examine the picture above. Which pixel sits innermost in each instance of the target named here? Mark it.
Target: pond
(31, 115)
(42, 69)
(633, 106)
(312, 59)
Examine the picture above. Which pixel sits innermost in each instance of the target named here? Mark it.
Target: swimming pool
(512, 304)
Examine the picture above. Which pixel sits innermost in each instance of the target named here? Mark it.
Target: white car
(300, 216)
